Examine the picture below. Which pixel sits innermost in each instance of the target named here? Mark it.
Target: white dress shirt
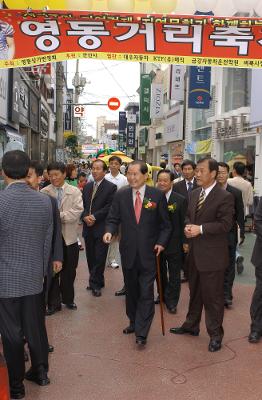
(142, 193)
(119, 180)
(168, 195)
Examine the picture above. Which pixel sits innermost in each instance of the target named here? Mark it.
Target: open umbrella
(119, 154)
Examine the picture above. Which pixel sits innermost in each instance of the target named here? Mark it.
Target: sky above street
(105, 79)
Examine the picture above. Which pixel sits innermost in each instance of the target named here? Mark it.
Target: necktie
(189, 186)
(201, 200)
(95, 187)
(138, 206)
(59, 197)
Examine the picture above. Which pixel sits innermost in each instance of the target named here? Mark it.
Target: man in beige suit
(70, 204)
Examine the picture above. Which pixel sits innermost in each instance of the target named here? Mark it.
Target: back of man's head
(16, 164)
(239, 168)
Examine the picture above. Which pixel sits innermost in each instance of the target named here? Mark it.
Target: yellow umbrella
(119, 154)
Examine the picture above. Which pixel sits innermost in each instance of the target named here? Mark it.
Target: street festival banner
(39, 37)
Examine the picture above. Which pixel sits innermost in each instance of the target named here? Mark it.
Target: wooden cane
(160, 294)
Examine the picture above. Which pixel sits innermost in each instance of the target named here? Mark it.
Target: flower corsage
(149, 204)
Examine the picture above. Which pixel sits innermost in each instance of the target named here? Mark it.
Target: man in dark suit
(145, 229)
(97, 199)
(172, 256)
(189, 182)
(256, 304)
(185, 187)
(209, 219)
(25, 241)
(239, 221)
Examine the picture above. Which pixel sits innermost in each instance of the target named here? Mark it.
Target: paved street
(94, 360)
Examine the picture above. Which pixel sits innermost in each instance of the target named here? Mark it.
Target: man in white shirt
(246, 188)
(115, 176)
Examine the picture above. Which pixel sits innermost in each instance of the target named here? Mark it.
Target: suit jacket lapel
(207, 201)
(130, 204)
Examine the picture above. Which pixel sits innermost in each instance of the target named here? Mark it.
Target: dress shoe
(141, 341)
(40, 377)
(240, 265)
(96, 292)
(214, 345)
(172, 309)
(121, 292)
(228, 303)
(50, 348)
(254, 337)
(52, 310)
(182, 331)
(157, 300)
(71, 306)
(17, 394)
(129, 329)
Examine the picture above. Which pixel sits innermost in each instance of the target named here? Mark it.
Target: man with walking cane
(145, 229)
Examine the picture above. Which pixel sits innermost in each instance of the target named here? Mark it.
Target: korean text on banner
(122, 131)
(199, 87)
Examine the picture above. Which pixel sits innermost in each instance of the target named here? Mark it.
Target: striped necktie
(201, 200)
(95, 187)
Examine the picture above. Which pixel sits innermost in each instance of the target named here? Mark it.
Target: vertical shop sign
(199, 87)
(145, 96)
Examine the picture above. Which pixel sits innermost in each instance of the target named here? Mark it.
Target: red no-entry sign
(113, 103)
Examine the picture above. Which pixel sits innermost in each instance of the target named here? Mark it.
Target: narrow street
(94, 360)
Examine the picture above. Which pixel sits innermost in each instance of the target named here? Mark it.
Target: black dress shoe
(214, 345)
(141, 341)
(40, 377)
(121, 292)
(254, 337)
(96, 292)
(172, 309)
(182, 331)
(240, 265)
(53, 310)
(228, 303)
(16, 395)
(71, 306)
(50, 348)
(129, 329)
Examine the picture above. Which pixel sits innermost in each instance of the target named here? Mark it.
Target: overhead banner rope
(37, 37)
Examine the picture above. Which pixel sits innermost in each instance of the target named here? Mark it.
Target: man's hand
(186, 248)
(107, 237)
(57, 266)
(89, 220)
(158, 249)
(192, 231)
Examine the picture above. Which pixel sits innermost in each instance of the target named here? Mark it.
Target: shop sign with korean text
(199, 87)
(48, 36)
(122, 131)
(145, 97)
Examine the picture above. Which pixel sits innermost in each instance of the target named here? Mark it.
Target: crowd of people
(193, 220)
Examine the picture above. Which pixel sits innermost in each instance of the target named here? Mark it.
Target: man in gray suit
(25, 241)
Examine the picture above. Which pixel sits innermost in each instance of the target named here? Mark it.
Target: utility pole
(59, 112)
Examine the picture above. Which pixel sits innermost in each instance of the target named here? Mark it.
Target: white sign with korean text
(177, 82)
(79, 111)
(174, 124)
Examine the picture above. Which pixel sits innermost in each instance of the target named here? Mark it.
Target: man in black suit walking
(172, 256)
(97, 199)
(238, 221)
(256, 304)
(189, 182)
(145, 229)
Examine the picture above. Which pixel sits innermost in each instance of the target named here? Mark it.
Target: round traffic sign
(113, 103)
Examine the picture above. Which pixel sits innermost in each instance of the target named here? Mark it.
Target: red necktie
(138, 206)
